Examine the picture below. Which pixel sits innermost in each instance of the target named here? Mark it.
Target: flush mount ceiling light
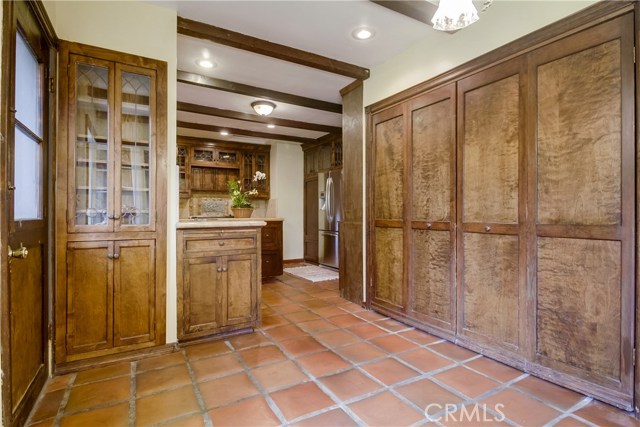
(453, 15)
(362, 33)
(205, 63)
(263, 108)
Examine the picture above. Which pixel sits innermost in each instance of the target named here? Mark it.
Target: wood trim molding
(589, 17)
(242, 89)
(225, 37)
(40, 13)
(351, 87)
(244, 132)
(288, 262)
(229, 114)
(200, 142)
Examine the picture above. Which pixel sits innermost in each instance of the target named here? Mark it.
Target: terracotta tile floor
(317, 361)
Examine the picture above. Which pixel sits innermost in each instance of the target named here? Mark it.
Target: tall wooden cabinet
(110, 204)
(502, 209)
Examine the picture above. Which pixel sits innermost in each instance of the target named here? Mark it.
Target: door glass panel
(136, 140)
(28, 84)
(92, 124)
(27, 177)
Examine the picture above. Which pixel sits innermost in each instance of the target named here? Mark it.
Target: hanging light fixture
(453, 15)
(263, 108)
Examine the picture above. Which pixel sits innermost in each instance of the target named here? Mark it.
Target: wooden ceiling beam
(225, 37)
(258, 92)
(229, 114)
(244, 132)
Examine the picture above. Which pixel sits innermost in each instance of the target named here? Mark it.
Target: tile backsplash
(216, 205)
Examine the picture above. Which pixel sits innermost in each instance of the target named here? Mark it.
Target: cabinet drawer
(271, 264)
(271, 236)
(207, 244)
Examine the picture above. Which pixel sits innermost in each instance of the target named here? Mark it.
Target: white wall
(287, 195)
(442, 51)
(141, 29)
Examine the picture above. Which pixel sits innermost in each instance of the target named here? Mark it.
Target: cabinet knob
(221, 243)
(110, 256)
(429, 225)
(219, 269)
(116, 256)
(487, 228)
(224, 269)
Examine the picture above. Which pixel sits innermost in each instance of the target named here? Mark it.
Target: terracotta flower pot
(242, 212)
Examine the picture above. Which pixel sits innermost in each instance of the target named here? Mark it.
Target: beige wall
(441, 51)
(287, 195)
(141, 29)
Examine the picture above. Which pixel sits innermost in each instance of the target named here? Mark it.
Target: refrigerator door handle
(329, 199)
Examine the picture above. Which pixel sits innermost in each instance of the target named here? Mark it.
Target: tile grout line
(64, 401)
(132, 395)
(194, 383)
(266, 395)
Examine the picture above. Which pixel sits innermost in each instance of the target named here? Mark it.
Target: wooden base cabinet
(502, 211)
(272, 249)
(110, 205)
(218, 281)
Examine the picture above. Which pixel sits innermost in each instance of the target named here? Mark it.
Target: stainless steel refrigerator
(329, 216)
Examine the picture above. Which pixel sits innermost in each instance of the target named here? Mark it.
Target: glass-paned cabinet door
(135, 101)
(92, 152)
(262, 166)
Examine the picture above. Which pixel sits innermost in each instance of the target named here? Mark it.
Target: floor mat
(313, 273)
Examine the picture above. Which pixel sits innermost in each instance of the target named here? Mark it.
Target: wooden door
(431, 290)
(91, 149)
(89, 296)
(239, 296)
(23, 211)
(389, 261)
(583, 187)
(134, 292)
(490, 216)
(311, 219)
(202, 294)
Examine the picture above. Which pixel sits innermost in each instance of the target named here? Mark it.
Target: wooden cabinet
(207, 165)
(218, 281)
(110, 204)
(502, 210)
(311, 224)
(272, 249)
(255, 160)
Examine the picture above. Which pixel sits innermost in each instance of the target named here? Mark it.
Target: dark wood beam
(228, 114)
(225, 37)
(243, 132)
(258, 92)
(419, 10)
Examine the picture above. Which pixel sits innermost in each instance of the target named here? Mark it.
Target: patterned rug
(313, 273)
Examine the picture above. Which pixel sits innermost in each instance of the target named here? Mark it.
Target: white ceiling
(321, 27)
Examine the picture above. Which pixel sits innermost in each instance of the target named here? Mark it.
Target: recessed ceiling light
(224, 132)
(363, 33)
(205, 63)
(271, 126)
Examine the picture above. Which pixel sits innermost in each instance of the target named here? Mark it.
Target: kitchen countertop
(221, 223)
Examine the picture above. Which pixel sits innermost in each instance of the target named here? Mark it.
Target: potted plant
(240, 203)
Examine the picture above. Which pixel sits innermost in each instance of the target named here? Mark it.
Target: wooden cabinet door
(431, 290)
(134, 292)
(388, 173)
(238, 299)
(491, 189)
(582, 178)
(89, 296)
(202, 297)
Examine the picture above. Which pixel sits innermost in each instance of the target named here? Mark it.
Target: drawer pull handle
(221, 243)
(487, 228)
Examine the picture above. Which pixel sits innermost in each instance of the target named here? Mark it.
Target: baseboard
(287, 262)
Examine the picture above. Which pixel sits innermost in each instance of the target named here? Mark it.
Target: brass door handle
(21, 252)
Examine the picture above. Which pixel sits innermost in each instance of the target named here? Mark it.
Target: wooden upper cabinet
(431, 289)
(111, 162)
(253, 161)
(491, 196)
(584, 184)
